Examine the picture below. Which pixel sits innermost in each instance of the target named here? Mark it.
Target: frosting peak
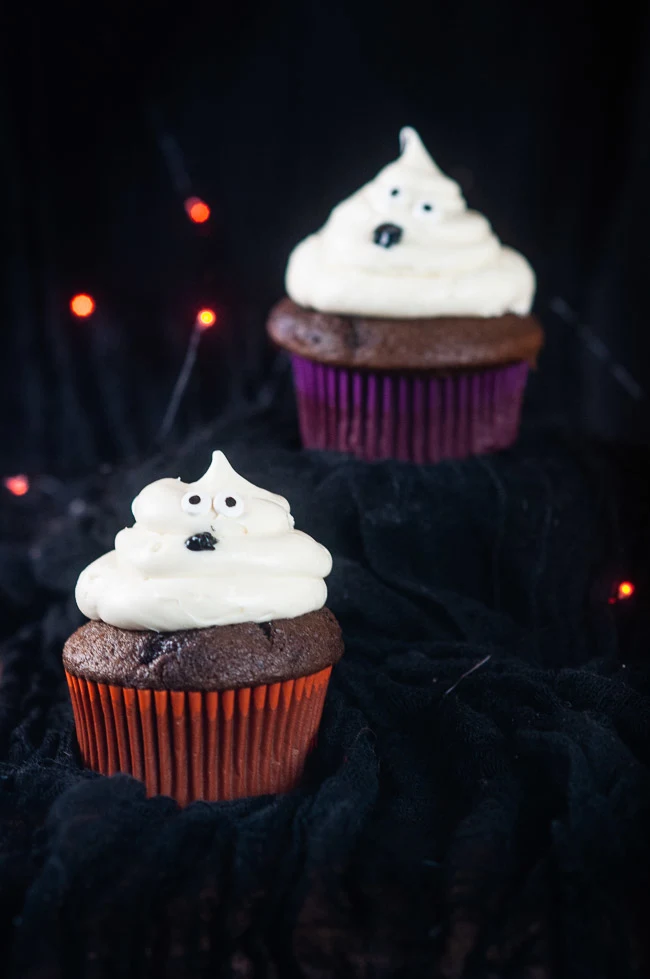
(415, 157)
(405, 245)
(214, 552)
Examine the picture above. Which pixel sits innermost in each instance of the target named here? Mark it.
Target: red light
(197, 210)
(625, 590)
(82, 305)
(206, 318)
(18, 485)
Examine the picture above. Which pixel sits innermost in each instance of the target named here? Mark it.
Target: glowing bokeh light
(625, 590)
(197, 210)
(82, 305)
(18, 485)
(206, 318)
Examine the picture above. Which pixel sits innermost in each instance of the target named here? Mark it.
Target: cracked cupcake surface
(221, 657)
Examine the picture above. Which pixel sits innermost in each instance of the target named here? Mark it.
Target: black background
(540, 109)
(487, 824)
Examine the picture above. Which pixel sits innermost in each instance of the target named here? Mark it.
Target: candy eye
(394, 192)
(424, 208)
(229, 504)
(196, 503)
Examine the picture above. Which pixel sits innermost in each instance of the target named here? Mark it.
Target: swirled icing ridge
(215, 552)
(405, 245)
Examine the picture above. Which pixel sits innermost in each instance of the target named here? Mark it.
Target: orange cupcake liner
(211, 745)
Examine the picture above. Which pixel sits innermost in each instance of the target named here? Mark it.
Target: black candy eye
(395, 192)
(195, 503)
(427, 207)
(229, 504)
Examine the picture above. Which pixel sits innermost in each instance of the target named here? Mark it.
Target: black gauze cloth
(478, 804)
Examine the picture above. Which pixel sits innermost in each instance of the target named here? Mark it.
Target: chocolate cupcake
(408, 322)
(204, 669)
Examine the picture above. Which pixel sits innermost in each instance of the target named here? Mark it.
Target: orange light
(197, 210)
(206, 318)
(18, 485)
(625, 590)
(82, 305)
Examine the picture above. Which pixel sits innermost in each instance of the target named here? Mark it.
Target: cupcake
(204, 668)
(408, 322)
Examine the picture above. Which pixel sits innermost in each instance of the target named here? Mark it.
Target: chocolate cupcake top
(219, 658)
(442, 343)
(216, 552)
(406, 246)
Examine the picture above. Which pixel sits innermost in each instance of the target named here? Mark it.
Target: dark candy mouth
(387, 235)
(201, 542)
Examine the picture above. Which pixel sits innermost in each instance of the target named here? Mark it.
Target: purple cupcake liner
(413, 416)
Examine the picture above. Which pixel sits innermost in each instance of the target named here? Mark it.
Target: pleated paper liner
(204, 744)
(412, 416)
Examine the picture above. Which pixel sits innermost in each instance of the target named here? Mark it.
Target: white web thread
(599, 349)
(171, 153)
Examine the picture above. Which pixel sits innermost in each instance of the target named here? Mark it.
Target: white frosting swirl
(259, 569)
(447, 262)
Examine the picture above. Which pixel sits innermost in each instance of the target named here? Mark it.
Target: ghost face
(221, 503)
(214, 552)
(407, 218)
(412, 205)
(405, 245)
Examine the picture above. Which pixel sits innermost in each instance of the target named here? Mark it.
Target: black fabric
(479, 801)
